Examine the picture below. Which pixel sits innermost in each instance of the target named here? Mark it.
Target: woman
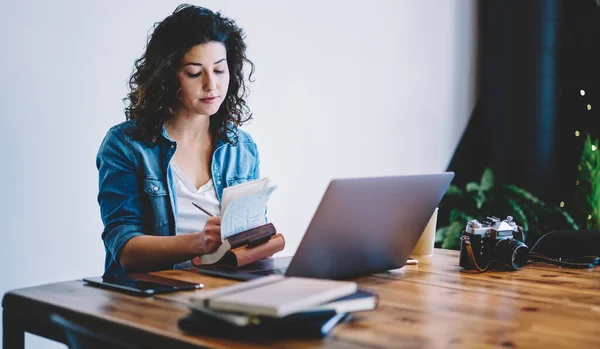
(180, 144)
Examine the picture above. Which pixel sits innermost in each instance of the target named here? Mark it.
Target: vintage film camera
(493, 244)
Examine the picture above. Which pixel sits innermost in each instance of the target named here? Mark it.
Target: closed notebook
(276, 297)
(300, 325)
(245, 247)
(361, 300)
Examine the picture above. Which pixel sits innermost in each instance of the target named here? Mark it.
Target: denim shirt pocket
(158, 198)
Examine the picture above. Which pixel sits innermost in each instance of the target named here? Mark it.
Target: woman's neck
(185, 127)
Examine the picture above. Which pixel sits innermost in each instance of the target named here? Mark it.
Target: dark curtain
(534, 58)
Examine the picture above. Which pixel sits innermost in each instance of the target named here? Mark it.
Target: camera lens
(511, 253)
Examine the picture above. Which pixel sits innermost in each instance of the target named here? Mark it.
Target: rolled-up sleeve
(118, 194)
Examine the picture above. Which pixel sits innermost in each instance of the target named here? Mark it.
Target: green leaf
(587, 194)
(457, 215)
(519, 214)
(487, 180)
(480, 200)
(523, 194)
(454, 190)
(452, 239)
(440, 234)
(472, 187)
(567, 217)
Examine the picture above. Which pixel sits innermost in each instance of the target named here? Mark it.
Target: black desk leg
(13, 334)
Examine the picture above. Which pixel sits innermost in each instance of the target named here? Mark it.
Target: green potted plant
(478, 200)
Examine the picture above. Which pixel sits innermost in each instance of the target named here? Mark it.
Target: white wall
(342, 90)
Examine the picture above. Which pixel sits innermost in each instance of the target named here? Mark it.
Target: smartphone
(142, 284)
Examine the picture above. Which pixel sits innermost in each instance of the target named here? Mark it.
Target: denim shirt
(136, 188)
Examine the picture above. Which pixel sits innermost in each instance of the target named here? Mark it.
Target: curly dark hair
(154, 87)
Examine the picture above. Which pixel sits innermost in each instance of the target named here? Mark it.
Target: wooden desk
(432, 305)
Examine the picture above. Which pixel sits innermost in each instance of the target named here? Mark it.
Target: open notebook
(245, 233)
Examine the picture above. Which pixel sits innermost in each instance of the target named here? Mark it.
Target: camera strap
(568, 248)
(584, 262)
(471, 255)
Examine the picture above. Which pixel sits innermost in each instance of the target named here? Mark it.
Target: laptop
(361, 226)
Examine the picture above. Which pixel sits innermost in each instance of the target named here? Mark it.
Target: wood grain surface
(430, 305)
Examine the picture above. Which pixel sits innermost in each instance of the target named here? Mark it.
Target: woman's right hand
(210, 238)
(212, 235)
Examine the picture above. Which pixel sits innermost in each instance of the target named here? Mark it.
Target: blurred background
(530, 149)
(503, 92)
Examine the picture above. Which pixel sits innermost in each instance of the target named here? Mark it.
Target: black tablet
(142, 285)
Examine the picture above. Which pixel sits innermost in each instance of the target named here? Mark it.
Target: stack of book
(276, 307)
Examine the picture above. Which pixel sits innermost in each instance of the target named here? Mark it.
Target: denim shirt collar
(166, 135)
(220, 142)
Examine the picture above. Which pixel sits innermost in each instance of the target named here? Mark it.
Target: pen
(203, 210)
